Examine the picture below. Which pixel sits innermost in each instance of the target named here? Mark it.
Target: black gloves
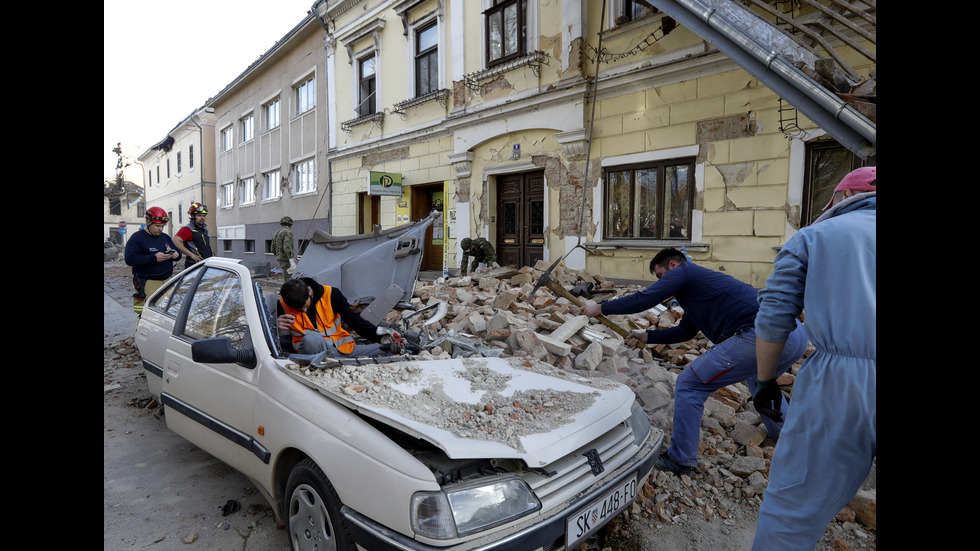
(768, 399)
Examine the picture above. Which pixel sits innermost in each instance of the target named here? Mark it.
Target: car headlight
(639, 423)
(465, 509)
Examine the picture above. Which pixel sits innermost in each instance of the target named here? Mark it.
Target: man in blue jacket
(151, 253)
(723, 309)
(830, 440)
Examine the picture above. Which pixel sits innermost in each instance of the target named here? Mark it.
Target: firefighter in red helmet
(194, 240)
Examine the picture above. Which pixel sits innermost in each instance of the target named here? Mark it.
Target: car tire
(313, 511)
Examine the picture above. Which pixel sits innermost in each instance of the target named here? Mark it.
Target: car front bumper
(534, 533)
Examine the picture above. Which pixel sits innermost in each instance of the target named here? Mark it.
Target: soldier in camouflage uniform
(282, 245)
(480, 249)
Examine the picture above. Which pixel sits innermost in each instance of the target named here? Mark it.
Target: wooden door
(368, 212)
(520, 219)
(424, 199)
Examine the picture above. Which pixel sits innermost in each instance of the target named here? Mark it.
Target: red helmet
(197, 208)
(156, 215)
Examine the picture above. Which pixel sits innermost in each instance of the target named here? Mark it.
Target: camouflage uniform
(282, 247)
(482, 252)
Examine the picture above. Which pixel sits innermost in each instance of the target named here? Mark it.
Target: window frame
(660, 166)
(180, 169)
(228, 194)
(814, 200)
(361, 109)
(305, 95)
(272, 113)
(268, 185)
(624, 11)
(247, 125)
(304, 177)
(521, 48)
(431, 54)
(190, 157)
(226, 139)
(246, 191)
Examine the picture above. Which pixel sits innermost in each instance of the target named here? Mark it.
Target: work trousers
(139, 297)
(728, 362)
(314, 343)
(825, 454)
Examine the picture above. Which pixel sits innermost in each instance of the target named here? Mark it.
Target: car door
(213, 405)
(153, 335)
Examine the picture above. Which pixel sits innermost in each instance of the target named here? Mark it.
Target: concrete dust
(494, 417)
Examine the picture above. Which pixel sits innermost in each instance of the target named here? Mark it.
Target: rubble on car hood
(480, 407)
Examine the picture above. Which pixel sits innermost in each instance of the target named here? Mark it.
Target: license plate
(597, 513)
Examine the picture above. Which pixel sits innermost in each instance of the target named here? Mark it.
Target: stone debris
(493, 306)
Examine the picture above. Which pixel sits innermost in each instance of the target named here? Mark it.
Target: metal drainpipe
(756, 53)
(200, 135)
(328, 191)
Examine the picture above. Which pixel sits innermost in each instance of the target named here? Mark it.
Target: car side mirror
(219, 350)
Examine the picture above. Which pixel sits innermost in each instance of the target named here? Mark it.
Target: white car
(409, 455)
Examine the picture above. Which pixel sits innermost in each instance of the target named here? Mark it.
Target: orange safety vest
(329, 323)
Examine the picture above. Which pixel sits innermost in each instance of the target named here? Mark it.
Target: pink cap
(862, 179)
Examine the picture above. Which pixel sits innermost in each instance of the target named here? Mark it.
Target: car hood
(482, 407)
(364, 266)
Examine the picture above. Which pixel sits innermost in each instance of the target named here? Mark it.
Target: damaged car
(410, 451)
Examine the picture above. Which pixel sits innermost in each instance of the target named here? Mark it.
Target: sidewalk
(117, 321)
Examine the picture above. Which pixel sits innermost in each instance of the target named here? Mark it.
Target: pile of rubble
(494, 307)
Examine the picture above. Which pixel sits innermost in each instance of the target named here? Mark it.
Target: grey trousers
(314, 343)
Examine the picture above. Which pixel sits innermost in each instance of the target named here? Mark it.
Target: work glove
(768, 400)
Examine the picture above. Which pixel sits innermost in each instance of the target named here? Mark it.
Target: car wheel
(313, 511)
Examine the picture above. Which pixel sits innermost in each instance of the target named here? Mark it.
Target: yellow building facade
(595, 132)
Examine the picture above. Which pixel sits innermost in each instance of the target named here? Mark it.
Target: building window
(158, 174)
(115, 206)
(271, 188)
(179, 165)
(305, 177)
(306, 96)
(250, 245)
(649, 201)
(248, 128)
(190, 157)
(827, 162)
(150, 174)
(228, 195)
(226, 139)
(631, 10)
(226, 245)
(168, 168)
(506, 30)
(367, 86)
(247, 191)
(427, 60)
(271, 111)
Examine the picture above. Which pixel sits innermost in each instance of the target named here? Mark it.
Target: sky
(163, 60)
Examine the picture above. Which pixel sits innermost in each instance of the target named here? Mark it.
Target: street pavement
(161, 492)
